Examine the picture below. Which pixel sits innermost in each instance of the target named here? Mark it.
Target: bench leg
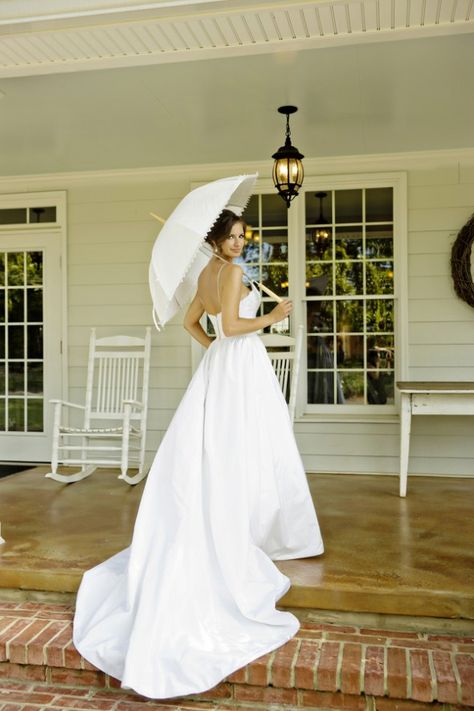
(405, 427)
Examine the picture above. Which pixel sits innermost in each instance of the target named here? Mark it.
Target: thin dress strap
(218, 283)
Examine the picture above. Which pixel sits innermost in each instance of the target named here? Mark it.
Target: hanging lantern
(288, 170)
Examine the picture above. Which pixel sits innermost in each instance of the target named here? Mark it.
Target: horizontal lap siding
(110, 236)
(441, 326)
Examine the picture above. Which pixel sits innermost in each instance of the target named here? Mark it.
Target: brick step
(325, 666)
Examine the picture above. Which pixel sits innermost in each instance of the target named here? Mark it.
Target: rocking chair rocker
(115, 413)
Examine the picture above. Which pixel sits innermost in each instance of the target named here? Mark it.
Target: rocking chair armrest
(133, 403)
(68, 404)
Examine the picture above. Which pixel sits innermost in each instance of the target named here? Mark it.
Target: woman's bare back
(210, 286)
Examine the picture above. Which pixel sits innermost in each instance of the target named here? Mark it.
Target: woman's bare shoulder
(232, 272)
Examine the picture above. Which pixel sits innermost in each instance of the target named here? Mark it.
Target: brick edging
(36, 644)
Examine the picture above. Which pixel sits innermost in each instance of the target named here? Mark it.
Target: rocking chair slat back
(117, 372)
(286, 364)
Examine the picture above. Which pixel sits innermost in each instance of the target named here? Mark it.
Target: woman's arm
(192, 325)
(232, 323)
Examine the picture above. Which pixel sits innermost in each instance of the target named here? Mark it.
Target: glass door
(30, 343)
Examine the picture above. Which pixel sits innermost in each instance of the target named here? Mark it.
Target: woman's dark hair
(222, 227)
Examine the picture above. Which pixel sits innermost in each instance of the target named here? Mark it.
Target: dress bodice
(247, 309)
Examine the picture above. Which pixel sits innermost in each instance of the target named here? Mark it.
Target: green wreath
(461, 263)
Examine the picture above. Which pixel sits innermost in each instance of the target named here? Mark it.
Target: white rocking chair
(286, 363)
(115, 413)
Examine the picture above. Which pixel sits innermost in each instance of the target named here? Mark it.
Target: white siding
(110, 236)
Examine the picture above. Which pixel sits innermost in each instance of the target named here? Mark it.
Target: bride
(193, 597)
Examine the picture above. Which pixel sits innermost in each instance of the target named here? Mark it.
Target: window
(350, 296)
(21, 341)
(27, 215)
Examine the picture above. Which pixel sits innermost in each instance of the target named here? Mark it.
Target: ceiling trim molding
(200, 172)
(218, 29)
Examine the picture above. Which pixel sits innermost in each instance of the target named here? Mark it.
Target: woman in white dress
(193, 597)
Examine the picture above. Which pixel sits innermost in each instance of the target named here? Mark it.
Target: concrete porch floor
(384, 554)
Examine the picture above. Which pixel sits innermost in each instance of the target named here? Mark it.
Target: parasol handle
(153, 313)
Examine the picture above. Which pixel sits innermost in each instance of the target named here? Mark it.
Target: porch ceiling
(115, 84)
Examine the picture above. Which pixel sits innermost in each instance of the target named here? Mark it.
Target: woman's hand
(281, 310)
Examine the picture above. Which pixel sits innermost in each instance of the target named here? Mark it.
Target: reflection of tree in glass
(379, 315)
(349, 278)
(15, 268)
(348, 248)
(350, 316)
(379, 277)
(352, 385)
(275, 276)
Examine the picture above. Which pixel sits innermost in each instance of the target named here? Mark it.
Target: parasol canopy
(176, 259)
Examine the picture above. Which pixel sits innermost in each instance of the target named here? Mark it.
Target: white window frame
(297, 279)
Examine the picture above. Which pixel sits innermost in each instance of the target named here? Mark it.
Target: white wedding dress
(193, 598)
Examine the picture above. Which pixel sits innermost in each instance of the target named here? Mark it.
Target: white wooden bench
(425, 398)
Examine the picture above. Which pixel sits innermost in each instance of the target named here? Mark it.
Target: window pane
(15, 269)
(275, 246)
(349, 243)
(350, 351)
(275, 277)
(209, 327)
(16, 342)
(379, 204)
(274, 211)
(2, 269)
(2, 379)
(42, 214)
(379, 277)
(380, 352)
(320, 317)
(282, 327)
(35, 341)
(320, 352)
(319, 243)
(251, 250)
(379, 315)
(35, 305)
(16, 415)
(2, 306)
(380, 387)
(2, 341)
(350, 316)
(378, 242)
(13, 216)
(348, 206)
(16, 305)
(34, 267)
(16, 378)
(2, 414)
(251, 212)
(318, 209)
(352, 387)
(318, 279)
(349, 278)
(321, 388)
(35, 415)
(35, 378)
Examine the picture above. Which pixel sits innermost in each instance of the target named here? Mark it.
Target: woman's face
(233, 245)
